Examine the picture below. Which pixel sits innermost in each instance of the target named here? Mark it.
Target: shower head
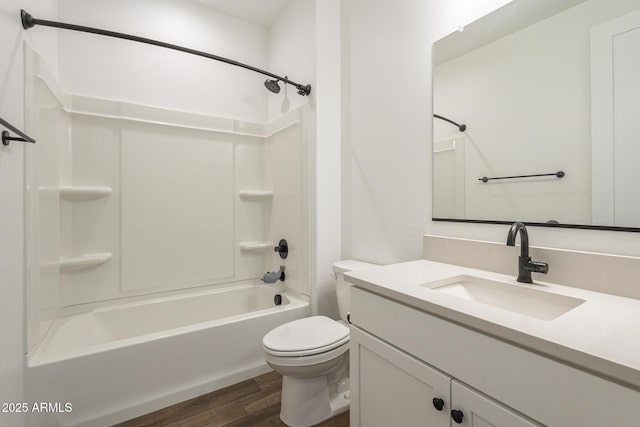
(272, 85)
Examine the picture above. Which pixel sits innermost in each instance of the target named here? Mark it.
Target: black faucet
(525, 265)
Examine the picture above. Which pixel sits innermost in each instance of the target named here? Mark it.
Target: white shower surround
(100, 333)
(165, 204)
(115, 361)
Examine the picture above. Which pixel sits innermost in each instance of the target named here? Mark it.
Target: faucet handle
(282, 248)
(537, 267)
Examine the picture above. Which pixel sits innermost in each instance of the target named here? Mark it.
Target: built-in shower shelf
(78, 194)
(80, 262)
(256, 246)
(256, 194)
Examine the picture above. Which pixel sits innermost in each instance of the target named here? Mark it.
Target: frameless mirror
(548, 91)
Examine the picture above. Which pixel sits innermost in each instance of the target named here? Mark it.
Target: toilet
(312, 354)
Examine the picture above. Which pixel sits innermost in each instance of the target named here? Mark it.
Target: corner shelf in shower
(256, 194)
(81, 262)
(256, 246)
(83, 193)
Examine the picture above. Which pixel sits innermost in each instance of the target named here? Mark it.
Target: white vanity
(428, 335)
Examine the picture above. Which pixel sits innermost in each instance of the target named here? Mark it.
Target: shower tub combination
(102, 364)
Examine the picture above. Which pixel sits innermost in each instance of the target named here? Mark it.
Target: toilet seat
(307, 360)
(306, 337)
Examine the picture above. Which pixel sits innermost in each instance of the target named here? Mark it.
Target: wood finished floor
(251, 403)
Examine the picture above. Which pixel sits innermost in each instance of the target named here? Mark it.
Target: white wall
(11, 194)
(387, 161)
(292, 54)
(326, 233)
(389, 136)
(122, 70)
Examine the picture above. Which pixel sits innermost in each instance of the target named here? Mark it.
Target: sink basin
(517, 299)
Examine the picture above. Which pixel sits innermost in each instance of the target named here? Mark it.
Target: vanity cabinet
(403, 357)
(389, 387)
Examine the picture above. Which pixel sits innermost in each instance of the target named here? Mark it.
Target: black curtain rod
(7, 138)
(461, 128)
(28, 21)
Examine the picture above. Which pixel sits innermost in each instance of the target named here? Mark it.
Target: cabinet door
(480, 411)
(391, 388)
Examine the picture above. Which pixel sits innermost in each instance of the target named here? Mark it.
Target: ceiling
(261, 12)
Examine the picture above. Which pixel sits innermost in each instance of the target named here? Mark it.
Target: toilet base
(306, 402)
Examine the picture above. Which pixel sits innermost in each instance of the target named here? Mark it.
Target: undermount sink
(517, 299)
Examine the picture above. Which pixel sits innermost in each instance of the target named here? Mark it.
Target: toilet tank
(342, 286)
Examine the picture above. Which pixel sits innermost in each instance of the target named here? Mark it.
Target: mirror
(547, 90)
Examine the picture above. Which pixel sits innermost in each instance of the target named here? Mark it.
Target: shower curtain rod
(28, 21)
(6, 136)
(461, 128)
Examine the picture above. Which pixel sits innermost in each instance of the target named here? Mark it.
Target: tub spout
(274, 276)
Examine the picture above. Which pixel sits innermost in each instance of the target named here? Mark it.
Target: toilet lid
(316, 332)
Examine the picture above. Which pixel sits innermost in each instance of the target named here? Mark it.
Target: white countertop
(601, 335)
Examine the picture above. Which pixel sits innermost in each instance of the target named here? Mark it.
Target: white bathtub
(115, 362)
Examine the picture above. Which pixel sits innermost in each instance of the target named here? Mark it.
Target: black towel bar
(559, 174)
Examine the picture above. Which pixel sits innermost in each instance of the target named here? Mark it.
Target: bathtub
(103, 364)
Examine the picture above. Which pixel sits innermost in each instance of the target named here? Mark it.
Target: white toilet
(312, 354)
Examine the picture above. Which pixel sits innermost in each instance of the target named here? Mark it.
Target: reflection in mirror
(543, 86)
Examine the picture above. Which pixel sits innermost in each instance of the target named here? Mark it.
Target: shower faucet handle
(282, 248)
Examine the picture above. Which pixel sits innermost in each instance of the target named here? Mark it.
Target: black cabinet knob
(438, 403)
(457, 416)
